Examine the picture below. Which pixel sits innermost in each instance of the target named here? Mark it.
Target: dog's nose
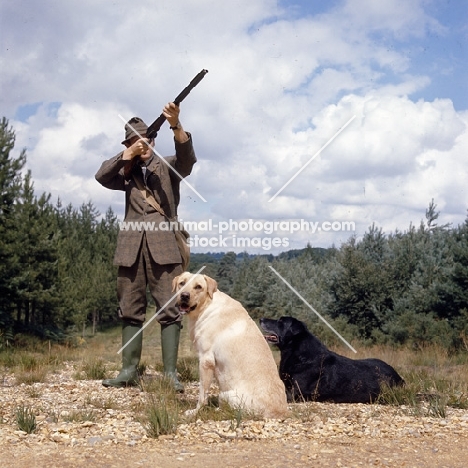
(185, 296)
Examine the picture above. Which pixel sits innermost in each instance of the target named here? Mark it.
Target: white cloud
(400, 18)
(278, 89)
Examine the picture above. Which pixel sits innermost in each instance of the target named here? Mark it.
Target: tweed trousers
(132, 283)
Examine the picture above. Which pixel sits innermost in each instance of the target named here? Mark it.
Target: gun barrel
(189, 88)
(153, 129)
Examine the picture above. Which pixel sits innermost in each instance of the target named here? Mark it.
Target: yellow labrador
(230, 348)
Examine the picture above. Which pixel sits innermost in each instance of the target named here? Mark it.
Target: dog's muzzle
(184, 303)
(269, 335)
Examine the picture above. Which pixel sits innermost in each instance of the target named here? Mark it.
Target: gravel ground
(316, 434)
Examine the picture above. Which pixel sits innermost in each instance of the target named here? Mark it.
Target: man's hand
(141, 147)
(171, 112)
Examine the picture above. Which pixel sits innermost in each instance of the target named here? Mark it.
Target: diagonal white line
(312, 158)
(158, 312)
(164, 161)
(311, 308)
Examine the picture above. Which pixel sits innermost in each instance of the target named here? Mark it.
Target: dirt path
(79, 423)
(349, 452)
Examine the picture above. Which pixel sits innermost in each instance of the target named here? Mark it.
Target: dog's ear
(174, 283)
(288, 325)
(212, 286)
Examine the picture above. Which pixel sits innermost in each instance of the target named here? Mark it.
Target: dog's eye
(182, 283)
(198, 287)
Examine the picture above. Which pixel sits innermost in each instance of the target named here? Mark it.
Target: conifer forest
(400, 288)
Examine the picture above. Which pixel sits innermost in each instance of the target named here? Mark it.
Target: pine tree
(36, 260)
(226, 272)
(362, 285)
(10, 186)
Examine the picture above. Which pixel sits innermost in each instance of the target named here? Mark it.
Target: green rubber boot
(170, 335)
(131, 355)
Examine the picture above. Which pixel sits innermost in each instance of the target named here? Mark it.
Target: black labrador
(310, 371)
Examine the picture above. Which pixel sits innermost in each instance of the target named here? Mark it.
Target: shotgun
(154, 128)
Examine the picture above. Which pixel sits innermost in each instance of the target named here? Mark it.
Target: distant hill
(316, 253)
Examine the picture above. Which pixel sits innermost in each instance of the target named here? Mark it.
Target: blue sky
(284, 77)
(442, 54)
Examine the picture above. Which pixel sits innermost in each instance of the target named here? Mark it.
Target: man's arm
(111, 173)
(171, 112)
(185, 154)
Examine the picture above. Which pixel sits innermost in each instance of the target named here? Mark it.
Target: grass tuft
(26, 419)
(31, 377)
(102, 403)
(161, 415)
(33, 392)
(425, 395)
(222, 411)
(93, 369)
(188, 369)
(80, 416)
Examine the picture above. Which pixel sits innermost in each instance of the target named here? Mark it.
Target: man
(148, 257)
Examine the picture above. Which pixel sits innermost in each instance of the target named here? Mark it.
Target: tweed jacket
(164, 184)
